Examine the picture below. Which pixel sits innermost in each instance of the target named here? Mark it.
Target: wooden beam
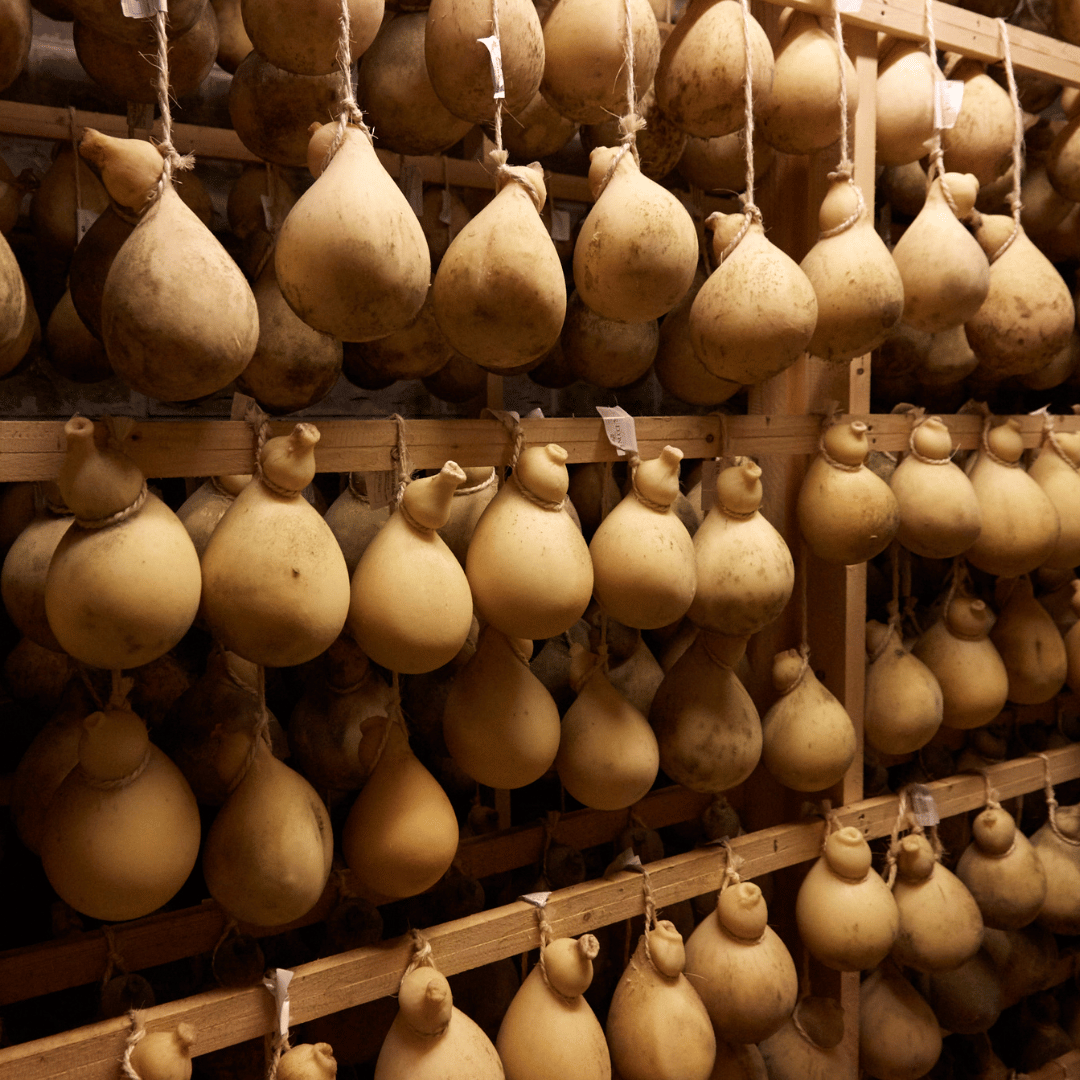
(226, 1017)
(33, 449)
(76, 960)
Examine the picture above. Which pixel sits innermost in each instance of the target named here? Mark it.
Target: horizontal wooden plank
(33, 449)
(962, 31)
(76, 960)
(225, 1017)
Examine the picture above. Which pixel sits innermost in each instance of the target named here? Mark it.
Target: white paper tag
(380, 488)
(537, 899)
(84, 218)
(412, 183)
(560, 224)
(535, 414)
(140, 116)
(278, 985)
(445, 210)
(619, 428)
(268, 212)
(948, 97)
(495, 52)
(923, 806)
(710, 470)
(241, 403)
(626, 860)
(142, 9)
(848, 7)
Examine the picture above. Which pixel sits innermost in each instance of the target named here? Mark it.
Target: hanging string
(231, 927)
(1052, 804)
(991, 794)
(135, 1036)
(517, 432)
(984, 441)
(114, 962)
(173, 160)
(937, 154)
(804, 604)
(350, 112)
(734, 863)
(421, 957)
(259, 423)
(751, 211)
(500, 95)
(72, 125)
(1017, 144)
(845, 170)
(832, 822)
(630, 123)
(903, 821)
(400, 458)
(651, 504)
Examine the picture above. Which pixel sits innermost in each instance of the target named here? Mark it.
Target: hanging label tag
(495, 52)
(380, 488)
(142, 9)
(625, 860)
(241, 403)
(710, 470)
(537, 899)
(535, 414)
(446, 209)
(923, 807)
(268, 212)
(508, 416)
(83, 220)
(848, 7)
(412, 183)
(560, 224)
(278, 985)
(948, 97)
(619, 428)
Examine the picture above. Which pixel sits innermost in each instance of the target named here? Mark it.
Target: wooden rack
(225, 1017)
(34, 449)
(783, 428)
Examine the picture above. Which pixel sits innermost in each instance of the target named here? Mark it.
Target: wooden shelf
(173, 935)
(33, 449)
(225, 1017)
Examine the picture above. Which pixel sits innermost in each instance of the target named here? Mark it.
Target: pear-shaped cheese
(846, 914)
(644, 570)
(411, 608)
(355, 268)
(637, 250)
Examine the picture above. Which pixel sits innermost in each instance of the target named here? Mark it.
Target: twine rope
(498, 100)
(937, 154)
(630, 123)
(649, 899)
(903, 821)
(114, 961)
(260, 425)
(1052, 803)
(845, 169)
(260, 733)
(991, 793)
(172, 158)
(832, 823)
(354, 489)
(984, 443)
(651, 504)
(421, 957)
(732, 865)
(134, 1037)
(120, 515)
(278, 1046)
(547, 935)
(72, 124)
(751, 211)
(350, 111)
(231, 928)
(1017, 144)
(1050, 436)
